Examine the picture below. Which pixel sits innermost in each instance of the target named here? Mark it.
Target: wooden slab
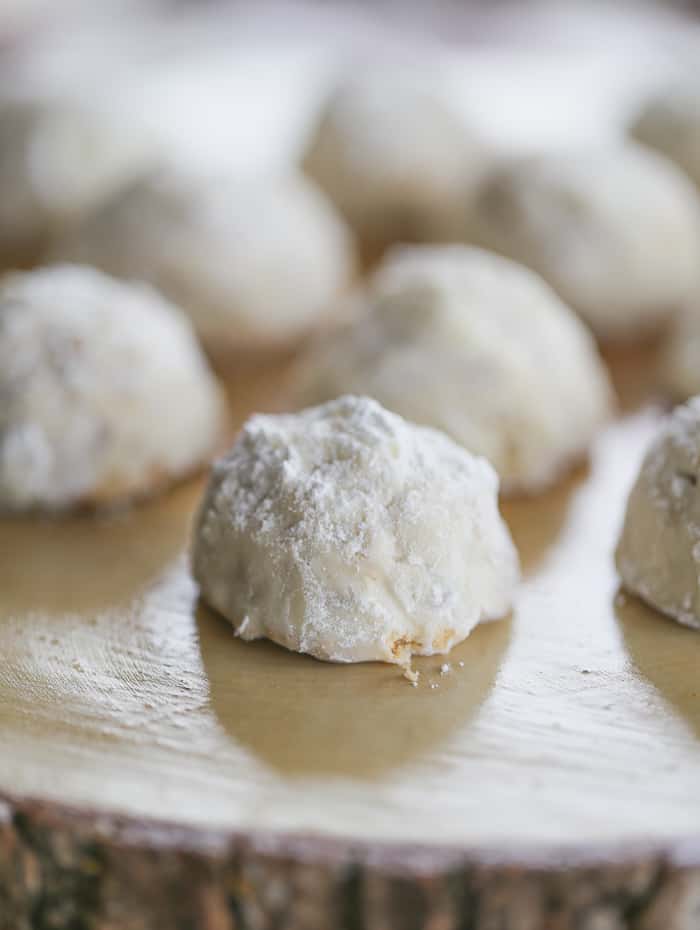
(156, 772)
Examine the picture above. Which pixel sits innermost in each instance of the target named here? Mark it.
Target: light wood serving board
(157, 773)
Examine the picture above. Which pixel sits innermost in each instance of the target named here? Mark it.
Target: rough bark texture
(65, 870)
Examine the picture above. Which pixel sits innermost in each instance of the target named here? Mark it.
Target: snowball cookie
(350, 534)
(670, 122)
(615, 232)
(658, 555)
(473, 344)
(394, 158)
(57, 160)
(104, 393)
(255, 263)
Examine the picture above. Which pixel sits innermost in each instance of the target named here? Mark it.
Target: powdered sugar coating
(394, 158)
(477, 346)
(347, 533)
(615, 232)
(104, 392)
(658, 555)
(255, 263)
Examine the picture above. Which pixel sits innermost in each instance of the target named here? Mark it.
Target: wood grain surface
(156, 772)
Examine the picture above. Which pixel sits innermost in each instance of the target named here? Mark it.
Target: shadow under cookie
(301, 716)
(666, 653)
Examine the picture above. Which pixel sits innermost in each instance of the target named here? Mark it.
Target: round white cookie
(59, 159)
(615, 232)
(347, 533)
(466, 341)
(395, 159)
(255, 263)
(658, 555)
(670, 123)
(104, 392)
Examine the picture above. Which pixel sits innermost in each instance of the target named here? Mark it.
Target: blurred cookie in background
(615, 231)
(105, 395)
(58, 160)
(394, 157)
(477, 346)
(255, 262)
(669, 121)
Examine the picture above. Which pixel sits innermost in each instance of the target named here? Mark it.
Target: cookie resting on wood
(658, 555)
(105, 395)
(465, 341)
(347, 533)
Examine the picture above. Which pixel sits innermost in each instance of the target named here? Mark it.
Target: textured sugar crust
(658, 555)
(468, 342)
(104, 392)
(670, 122)
(349, 534)
(394, 158)
(254, 263)
(615, 232)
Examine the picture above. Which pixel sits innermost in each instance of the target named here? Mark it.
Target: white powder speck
(678, 486)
